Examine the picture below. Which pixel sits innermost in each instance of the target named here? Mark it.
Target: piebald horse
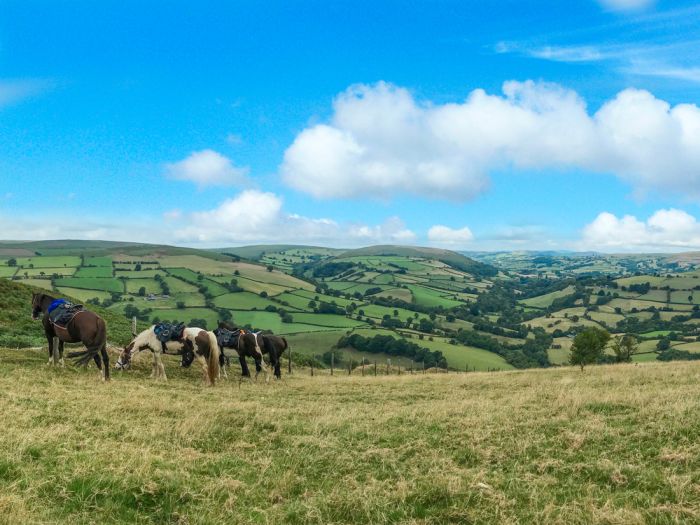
(200, 342)
(256, 345)
(85, 327)
(247, 344)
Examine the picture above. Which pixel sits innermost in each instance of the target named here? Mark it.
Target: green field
(107, 284)
(82, 294)
(7, 271)
(243, 301)
(336, 321)
(186, 314)
(105, 262)
(544, 301)
(429, 297)
(134, 285)
(49, 262)
(48, 272)
(94, 271)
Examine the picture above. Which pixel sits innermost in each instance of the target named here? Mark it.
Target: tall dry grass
(615, 444)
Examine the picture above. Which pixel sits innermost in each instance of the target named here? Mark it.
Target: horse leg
(159, 367)
(49, 338)
(258, 368)
(203, 362)
(278, 371)
(260, 365)
(244, 366)
(105, 360)
(98, 362)
(154, 365)
(222, 364)
(60, 353)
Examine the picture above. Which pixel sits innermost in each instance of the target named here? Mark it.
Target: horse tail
(213, 365)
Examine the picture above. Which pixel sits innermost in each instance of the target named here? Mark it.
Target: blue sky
(466, 124)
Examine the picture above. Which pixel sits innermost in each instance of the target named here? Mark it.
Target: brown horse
(86, 327)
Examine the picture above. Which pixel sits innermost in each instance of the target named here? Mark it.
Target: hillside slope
(454, 259)
(17, 329)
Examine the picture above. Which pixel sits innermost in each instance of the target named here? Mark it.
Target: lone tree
(624, 347)
(588, 346)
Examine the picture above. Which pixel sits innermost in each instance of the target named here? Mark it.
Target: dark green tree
(588, 346)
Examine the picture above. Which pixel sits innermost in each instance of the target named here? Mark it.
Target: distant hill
(256, 252)
(454, 259)
(95, 248)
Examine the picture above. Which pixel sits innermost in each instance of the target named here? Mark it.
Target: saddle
(227, 338)
(61, 313)
(166, 332)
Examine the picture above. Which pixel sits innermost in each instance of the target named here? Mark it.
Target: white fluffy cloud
(665, 230)
(207, 168)
(381, 141)
(256, 216)
(446, 236)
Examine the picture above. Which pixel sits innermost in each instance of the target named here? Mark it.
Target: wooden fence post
(375, 368)
(133, 325)
(363, 367)
(424, 366)
(289, 361)
(388, 364)
(350, 367)
(312, 368)
(332, 361)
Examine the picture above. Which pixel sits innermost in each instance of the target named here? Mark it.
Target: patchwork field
(408, 292)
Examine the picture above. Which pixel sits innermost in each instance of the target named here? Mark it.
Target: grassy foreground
(615, 444)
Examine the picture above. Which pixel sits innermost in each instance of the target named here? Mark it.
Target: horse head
(124, 361)
(187, 354)
(36, 305)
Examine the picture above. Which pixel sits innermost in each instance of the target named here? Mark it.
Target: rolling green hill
(453, 259)
(475, 316)
(401, 294)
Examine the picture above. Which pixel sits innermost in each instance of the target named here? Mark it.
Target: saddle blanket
(62, 313)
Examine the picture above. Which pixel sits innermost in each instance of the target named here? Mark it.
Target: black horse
(255, 345)
(85, 327)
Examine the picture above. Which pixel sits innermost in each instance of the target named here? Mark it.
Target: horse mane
(227, 326)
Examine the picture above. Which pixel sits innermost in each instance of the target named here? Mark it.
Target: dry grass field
(614, 444)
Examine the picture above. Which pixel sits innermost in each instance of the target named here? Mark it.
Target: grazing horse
(272, 345)
(85, 327)
(196, 342)
(246, 344)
